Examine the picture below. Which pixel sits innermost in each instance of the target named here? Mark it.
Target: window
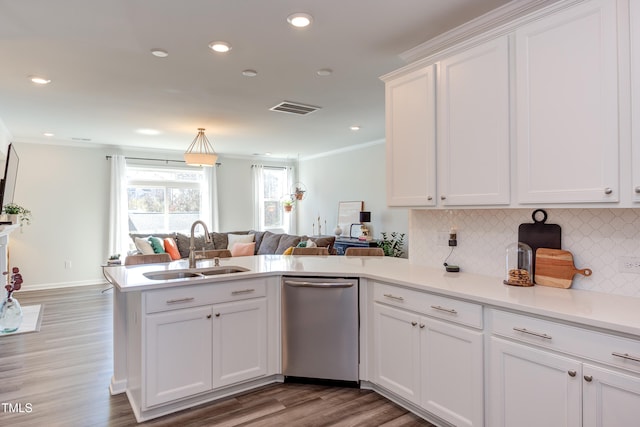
(163, 199)
(273, 185)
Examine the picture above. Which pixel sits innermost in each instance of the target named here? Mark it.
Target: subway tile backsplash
(596, 237)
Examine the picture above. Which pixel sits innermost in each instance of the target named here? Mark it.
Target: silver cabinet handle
(626, 356)
(447, 310)
(637, 190)
(180, 300)
(298, 284)
(588, 378)
(608, 190)
(572, 373)
(243, 291)
(394, 297)
(537, 334)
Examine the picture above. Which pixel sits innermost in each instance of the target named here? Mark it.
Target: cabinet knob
(217, 314)
(414, 323)
(431, 198)
(608, 190)
(588, 378)
(637, 190)
(443, 197)
(572, 373)
(208, 316)
(422, 325)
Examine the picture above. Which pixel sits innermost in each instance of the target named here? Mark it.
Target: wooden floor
(60, 377)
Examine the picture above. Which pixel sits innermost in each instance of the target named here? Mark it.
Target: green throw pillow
(157, 244)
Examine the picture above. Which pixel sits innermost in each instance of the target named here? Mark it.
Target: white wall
(596, 237)
(349, 175)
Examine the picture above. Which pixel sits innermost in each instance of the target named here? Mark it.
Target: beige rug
(32, 318)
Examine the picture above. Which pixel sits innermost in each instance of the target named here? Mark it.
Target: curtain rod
(156, 160)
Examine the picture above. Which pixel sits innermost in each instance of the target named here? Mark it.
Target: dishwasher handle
(305, 284)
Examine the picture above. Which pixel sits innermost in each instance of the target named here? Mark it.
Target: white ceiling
(106, 84)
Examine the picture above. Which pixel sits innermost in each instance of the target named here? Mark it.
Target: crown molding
(497, 18)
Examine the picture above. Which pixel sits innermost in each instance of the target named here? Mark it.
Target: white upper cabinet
(410, 128)
(567, 106)
(473, 126)
(635, 99)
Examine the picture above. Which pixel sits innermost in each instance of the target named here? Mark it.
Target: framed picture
(349, 213)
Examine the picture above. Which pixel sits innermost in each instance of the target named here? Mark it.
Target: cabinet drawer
(450, 309)
(192, 296)
(593, 345)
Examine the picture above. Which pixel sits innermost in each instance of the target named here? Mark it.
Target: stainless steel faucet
(192, 244)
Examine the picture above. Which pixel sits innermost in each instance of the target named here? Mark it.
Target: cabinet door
(611, 399)
(410, 124)
(397, 351)
(635, 98)
(452, 372)
(531, 387)
(567, 106)
(178, 354)
(473, 126)
(239, 341)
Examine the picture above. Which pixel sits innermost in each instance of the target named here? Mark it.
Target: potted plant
(393, 245)
(288, 205)
(17, 214)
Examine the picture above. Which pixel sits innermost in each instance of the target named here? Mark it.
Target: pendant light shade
(200, 152)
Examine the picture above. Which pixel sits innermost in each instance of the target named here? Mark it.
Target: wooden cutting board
(539, 235)
(554, 267)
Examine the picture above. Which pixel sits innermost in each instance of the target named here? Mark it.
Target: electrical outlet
(442, 238)
(67, 264)
(629, 264)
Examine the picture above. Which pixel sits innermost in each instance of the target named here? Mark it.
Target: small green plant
(24, 215)
(393, 245)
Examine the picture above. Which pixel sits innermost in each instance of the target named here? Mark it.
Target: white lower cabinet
(188, 351)
(178, 354)
(540, 374)
(436, 365)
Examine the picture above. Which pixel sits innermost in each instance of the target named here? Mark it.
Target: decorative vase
(288, 208)
(10, 315)
(337, 231)
(13, 218)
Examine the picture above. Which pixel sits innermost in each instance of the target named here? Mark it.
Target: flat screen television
(8, 183)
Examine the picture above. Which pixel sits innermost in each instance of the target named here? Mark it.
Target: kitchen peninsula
(429, 340)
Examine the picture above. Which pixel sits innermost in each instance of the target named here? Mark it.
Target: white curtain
(209, 199)
(118, 216)
(258, 206)
(291, 217)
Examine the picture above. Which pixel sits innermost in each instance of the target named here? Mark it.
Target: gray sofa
(266, 241)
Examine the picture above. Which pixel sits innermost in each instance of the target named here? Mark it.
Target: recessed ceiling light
(49, 134)
(148, 132)
(220, 47)
(249, 73)
(324, 72)
(354, 128)
(39, 80)
(300, 20)
(267, 154)
(160, 53)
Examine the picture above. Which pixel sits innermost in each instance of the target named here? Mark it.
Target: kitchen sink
(211, 271)
(170, 275)
(191, 273)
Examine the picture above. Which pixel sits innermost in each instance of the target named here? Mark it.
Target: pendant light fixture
(200, 152)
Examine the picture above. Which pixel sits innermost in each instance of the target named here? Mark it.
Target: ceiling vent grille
(294, 108)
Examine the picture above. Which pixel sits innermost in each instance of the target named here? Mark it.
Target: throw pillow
(199, 241)
(171, 248)
(157, 244)
(219, 240)
(324, 242)
(144, 246)
(239, 238)
(269, 243)
(289, 251)
(285, 241)
(243, 249)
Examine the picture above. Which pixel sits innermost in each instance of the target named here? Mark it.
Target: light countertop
(611, 312)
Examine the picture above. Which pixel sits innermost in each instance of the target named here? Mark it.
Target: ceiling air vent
(294, 108)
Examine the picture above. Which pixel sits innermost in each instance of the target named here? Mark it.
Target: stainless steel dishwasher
(320, 338)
